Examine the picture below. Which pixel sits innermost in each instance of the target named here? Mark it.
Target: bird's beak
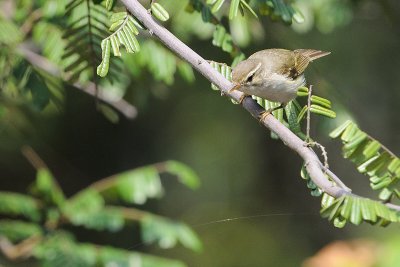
(237, 86)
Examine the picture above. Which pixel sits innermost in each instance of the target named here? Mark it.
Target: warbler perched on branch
(274, 74)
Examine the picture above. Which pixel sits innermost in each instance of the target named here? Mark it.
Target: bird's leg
(242, 98)
(265, 114)
(236, 87)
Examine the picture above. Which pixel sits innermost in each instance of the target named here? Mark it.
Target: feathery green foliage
(168, 233)
(371, 158)
(61, 249)
(15, 204)
(86, 28)
(356, 210)
(125, 28)
(275, 9)
(17, 231)
(91, 209)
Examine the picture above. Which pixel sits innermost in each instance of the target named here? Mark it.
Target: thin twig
(130, 214)
(21, 250)
(33, 158)
(309, 112)
(382, 146)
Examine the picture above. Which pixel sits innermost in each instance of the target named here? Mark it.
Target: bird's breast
(276, 88)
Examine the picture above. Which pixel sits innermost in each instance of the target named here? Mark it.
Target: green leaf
(363, 167)
(116, 25)
(115, 45)
(339, 130)
(186, 71)
(332, 209)
(302, 114)
(339, 222)
(326, 200)
(39, 91)
(126, 29)
(138, 185)
(109, 4)
(116, 17)
(240, 57)
(298, 16)
(322, 111)
(168, 233)
(371, 149)
(84, 208)
(48, 188)
(135, 22)
(188, 238)
(102, 69)
(227, 44)
(59, 249)
(346, 209)
(185, 174)
(87, 209)
(349, 132)
(18, 204)
(245, 5)
(321, 101)
(159, 12)
(355, 141)
(217, 6)
(394, 165)
(379, 164)
(355, 216)
(132, 26)
(17, 231)
(385, 194)
(382, 184)
(368, 210)
(234, 7)
(109, 113)
(219, 35)
(89, 27)
(217, 67)
(109, 256)
(206, 14)
(10, 34)
(291, 115)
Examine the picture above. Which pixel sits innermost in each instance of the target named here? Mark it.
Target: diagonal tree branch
(313, 165)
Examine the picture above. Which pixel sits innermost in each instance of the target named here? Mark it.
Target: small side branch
(128, 110)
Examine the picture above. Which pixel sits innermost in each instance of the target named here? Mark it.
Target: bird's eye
(250, 78)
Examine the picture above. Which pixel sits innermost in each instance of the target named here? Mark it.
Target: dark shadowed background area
(252, 207)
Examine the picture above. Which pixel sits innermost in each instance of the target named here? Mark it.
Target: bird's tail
(312, 54)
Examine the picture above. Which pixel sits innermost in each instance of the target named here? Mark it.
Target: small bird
(274, 74)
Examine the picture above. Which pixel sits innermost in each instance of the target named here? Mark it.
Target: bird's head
(246, 73)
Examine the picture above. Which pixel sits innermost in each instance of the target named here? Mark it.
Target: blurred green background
(247, 177)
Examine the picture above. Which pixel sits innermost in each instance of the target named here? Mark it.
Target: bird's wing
(303, 57)
(280, 61)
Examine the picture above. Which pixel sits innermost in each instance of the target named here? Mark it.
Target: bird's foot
(242, 97)
(235, 87)
(264, 114)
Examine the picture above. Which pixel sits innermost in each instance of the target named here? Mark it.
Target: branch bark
(313, 165)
